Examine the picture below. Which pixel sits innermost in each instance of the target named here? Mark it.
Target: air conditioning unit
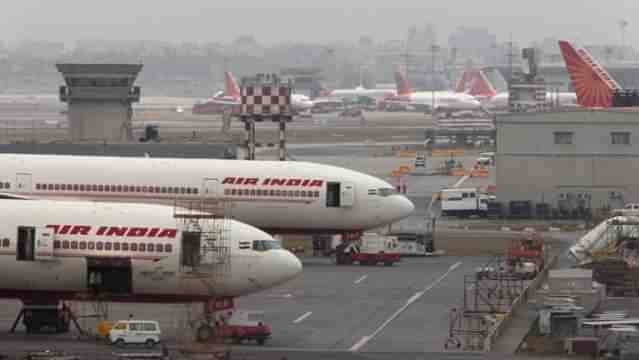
(562, 196)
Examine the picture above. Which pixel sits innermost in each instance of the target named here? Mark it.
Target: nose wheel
(205, 333)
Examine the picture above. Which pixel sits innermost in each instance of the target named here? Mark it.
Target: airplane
(444, 101)
(230, 98)
(359, 92)
(126, 252)
(278, 197)
(593, 84)
(477, 84)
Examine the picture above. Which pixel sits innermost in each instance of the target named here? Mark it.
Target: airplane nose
(291, 266)
(406, 207)
(276, 267)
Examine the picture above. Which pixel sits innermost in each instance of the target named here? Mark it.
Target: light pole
(433, 49)
(623, 24)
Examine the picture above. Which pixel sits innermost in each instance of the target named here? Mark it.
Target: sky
(273, 21)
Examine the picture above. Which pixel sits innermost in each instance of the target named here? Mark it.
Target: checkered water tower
(265, 97)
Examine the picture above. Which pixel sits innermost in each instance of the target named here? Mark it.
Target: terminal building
(567, 163)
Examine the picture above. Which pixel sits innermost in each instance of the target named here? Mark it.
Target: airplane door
(23, 183)
(44, 244)
(348, 195)
(210, 188)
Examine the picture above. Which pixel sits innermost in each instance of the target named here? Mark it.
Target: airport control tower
(99, 98)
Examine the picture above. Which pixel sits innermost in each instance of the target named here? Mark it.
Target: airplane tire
(204, 333)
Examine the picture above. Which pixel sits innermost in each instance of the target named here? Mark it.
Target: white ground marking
(301, 318)
(364, 340)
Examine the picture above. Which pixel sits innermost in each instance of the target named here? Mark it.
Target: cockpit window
(386, 192)
(265, 245)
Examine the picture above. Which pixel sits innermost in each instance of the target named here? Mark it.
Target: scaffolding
(207, 223)
(491, 292)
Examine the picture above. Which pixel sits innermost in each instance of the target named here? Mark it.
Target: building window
(620, 138)
(564, 137)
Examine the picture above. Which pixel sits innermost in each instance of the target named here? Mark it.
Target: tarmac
(329, 312)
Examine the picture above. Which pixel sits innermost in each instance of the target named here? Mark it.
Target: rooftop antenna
(510, 56)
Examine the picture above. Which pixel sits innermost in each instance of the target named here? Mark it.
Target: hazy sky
(271, 21)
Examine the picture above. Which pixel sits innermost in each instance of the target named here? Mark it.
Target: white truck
(628, 210)
(464, 202)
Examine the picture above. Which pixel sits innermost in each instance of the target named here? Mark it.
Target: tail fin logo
(475, 83)
(230, 86)
(465, 82)
(593, 84)
(403, 87)
(480, 86)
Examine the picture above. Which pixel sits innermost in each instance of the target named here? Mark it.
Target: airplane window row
(280, 193)
(109, 246)
(118, 188)
(5, 185)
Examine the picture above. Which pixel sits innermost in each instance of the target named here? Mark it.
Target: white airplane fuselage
(443, 100)
(54, 249)
(377, 94)
(279, 197)
(562, 99)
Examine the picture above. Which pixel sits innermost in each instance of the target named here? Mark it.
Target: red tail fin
(230, 86)
(593, 84)
(481, 86)
(475, 83)
(403, 87)
(463, 85)
(324, 91)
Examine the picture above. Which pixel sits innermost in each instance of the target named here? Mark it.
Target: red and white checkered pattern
(265, 100)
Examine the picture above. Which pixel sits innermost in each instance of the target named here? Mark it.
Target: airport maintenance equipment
(265, 96)
(526, 256)
(464, 202)
(36, 317)
(371, 249)
(244, 325)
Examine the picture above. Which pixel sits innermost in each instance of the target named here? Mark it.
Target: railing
(517, 304)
